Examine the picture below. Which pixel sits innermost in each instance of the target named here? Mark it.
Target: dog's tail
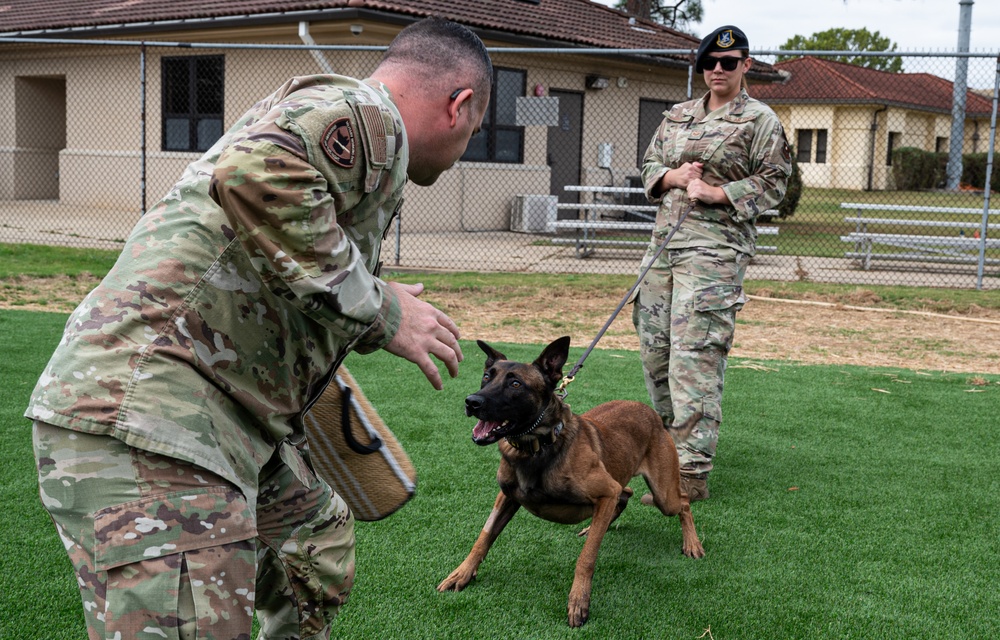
(681, 432)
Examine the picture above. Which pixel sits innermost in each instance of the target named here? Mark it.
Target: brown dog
(567, 468)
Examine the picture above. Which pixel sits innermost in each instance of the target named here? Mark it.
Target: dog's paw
(457, 581)
(694, 550)
(579, 611)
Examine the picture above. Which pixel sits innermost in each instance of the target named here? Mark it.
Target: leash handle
(663, 245)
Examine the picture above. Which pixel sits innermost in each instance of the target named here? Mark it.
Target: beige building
(112, 124)
(845, 121)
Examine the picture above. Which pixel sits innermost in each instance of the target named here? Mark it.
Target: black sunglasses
(729, 63)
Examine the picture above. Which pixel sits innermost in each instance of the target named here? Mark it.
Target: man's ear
(456, 104)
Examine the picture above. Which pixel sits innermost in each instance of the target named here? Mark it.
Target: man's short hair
(436, 45)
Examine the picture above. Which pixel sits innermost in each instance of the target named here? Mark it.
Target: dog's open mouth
(487, 431)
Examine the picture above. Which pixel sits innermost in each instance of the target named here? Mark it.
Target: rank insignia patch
(338, 142)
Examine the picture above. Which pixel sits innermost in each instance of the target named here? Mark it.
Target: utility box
(533, 213)
(604, 152)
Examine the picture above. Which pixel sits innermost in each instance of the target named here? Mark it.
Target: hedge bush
(915, 169)
(974, 171)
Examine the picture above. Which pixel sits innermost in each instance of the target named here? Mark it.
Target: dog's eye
(486, 376)
(516, 384)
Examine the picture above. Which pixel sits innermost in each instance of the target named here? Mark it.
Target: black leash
(561, 389)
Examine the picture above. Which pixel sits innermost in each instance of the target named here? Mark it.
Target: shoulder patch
(338, 142)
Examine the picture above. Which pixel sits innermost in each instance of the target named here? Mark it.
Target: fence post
(989, 180)
(959, 89)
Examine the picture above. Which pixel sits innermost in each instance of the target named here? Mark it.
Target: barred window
(500, 139)
(803, 146)
(192, 102)
(820, 146)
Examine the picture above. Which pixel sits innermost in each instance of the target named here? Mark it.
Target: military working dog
(565, 467)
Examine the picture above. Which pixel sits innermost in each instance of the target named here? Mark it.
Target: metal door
(565, 145)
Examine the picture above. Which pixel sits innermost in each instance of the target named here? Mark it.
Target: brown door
(565, 147)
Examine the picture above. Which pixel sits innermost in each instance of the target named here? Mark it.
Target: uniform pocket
(713, 317)
(178, 561)
(170, 523)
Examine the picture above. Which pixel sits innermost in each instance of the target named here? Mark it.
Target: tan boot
(696, 488)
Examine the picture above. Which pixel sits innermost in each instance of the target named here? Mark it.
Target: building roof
(572, 22)
(823, 81)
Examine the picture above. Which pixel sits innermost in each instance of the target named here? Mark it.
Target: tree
(676, 14)
(839, 39)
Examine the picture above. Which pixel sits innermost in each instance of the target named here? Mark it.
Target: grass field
(847, 503)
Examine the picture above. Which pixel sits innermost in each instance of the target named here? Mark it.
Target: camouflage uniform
(232, 303)
(685, 308)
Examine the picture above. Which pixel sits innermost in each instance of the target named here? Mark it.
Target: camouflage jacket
(744, 151)
(238, 293)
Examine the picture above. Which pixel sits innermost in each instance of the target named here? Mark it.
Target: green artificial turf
(847, 502)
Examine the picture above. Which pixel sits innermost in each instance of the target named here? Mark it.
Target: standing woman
(726, 153)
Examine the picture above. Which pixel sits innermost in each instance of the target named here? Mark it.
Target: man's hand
(425, 331)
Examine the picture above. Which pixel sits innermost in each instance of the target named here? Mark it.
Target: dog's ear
(492, 355)
(553, 358)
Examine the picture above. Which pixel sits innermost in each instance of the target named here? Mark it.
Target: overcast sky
(914, 25)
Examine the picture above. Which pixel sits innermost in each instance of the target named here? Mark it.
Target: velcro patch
(338, 142)
(371, 116)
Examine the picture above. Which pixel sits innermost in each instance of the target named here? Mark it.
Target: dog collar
(535, 444)
(534, 426)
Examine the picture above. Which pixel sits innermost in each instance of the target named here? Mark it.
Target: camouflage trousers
(165, 549)
(685, 315)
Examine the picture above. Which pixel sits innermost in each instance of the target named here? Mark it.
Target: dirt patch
(811, 331)
(849, 330)
(60, 294)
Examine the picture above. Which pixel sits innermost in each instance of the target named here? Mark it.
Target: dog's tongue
(483, 429)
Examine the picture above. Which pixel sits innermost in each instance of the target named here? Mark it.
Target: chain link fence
(101, 131)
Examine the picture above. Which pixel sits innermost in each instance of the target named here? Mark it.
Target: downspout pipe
(317, 54)
(142, 128)
(871, 146)
(690, 81)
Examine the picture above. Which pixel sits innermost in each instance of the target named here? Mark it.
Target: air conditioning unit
(533, 214)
